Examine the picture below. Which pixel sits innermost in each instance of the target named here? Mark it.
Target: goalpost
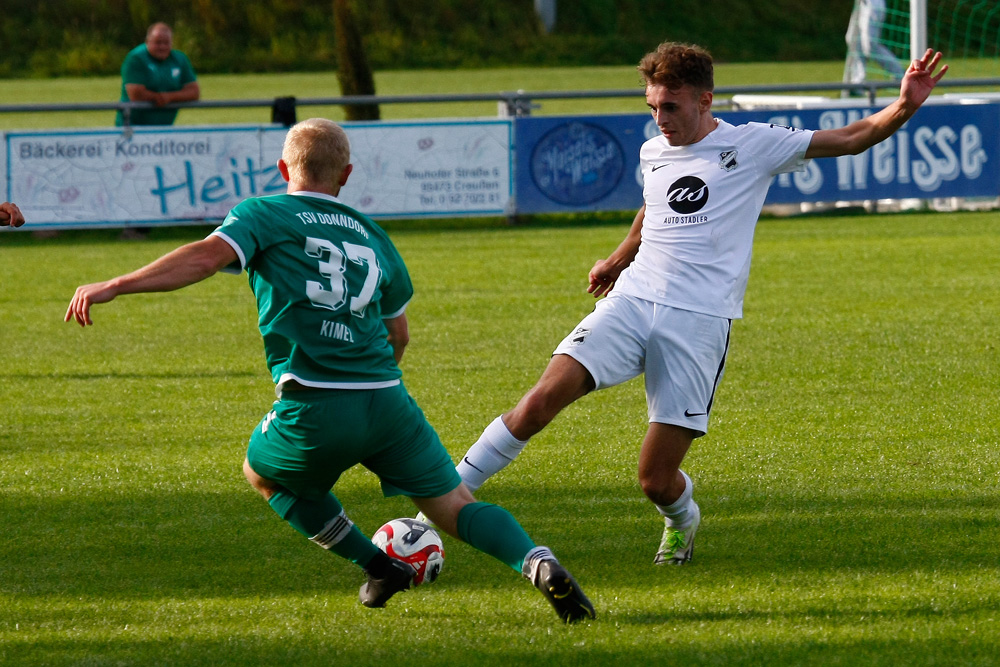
(884, 35)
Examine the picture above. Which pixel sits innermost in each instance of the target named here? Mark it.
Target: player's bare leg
(443, 511)
(264, 487)
(492, 530)
(325, 524)
(663, 450)
(564, 381)
(670, 490)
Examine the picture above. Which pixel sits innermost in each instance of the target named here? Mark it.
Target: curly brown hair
(675, 65)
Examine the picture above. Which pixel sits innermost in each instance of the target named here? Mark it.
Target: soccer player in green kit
(331, 295)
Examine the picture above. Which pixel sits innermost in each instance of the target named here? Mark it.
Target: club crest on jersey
(579, 336)
(727, 160)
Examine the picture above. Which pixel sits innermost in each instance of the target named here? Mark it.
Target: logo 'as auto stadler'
(577, 163)
(687, 195)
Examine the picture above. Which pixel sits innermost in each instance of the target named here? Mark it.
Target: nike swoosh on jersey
(658, 166)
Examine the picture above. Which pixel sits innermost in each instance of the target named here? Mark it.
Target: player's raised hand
(920, 79)
(10, 215)
(85, 297)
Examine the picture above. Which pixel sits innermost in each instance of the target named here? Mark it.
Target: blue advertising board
(547, 164)
(591, 163)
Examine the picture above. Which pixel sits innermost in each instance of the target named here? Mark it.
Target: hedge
(90, 37)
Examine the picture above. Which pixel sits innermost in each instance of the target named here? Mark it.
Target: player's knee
(658, 486)
(443, 511)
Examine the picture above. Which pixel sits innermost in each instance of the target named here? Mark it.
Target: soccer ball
(415, 543)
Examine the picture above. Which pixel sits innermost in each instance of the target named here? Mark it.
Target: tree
(353, 70)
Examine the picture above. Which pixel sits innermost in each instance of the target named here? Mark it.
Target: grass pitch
(849, 485)
(318, 85)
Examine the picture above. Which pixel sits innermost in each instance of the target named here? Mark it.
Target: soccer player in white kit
(677, 281)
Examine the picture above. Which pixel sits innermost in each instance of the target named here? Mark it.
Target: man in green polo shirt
(156, 72)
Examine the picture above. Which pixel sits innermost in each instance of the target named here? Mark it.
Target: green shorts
(312, 436)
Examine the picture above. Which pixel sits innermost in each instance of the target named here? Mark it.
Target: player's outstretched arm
(606, 271)
(10, 215)
(182, 267)
(916, 87)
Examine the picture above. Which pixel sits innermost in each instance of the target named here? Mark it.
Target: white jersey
(702, 204)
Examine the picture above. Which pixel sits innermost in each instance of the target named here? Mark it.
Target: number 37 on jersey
(333, 293)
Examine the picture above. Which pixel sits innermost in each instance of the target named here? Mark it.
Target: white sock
(494, 450)
(533, 559)
(681, 512)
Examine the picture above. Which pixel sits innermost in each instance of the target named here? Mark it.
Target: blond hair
(316, 151)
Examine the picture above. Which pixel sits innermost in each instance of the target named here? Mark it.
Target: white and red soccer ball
(415, 543)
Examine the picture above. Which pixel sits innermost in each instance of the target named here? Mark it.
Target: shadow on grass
(863, 533)
(178, 544)
(246, 589)
(353, 646)
(186, 543)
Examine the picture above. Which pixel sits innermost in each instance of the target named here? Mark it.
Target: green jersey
(160, 76)
(324, 276)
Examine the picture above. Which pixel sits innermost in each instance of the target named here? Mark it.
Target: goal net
(967, 29)
(880, 40)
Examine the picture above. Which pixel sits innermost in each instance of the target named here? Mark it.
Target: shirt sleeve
(398, 288)
(187, 71)
(134, 70)
(781, 149)
(244, 237)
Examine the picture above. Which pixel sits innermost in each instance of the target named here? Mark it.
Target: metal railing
(510, 104)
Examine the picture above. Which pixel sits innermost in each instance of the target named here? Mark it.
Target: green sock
(493, 530)
(325, 523)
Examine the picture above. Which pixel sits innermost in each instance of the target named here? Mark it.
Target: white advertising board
(157, 176)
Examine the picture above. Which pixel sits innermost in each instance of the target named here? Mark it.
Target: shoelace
(674, 540)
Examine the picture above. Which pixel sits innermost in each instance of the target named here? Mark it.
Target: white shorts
(682, 353)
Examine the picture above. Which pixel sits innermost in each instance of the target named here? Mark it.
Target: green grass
(849, 484)
(420, 82)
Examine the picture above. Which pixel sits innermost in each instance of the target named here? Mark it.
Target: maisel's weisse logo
(577, 163)
(687, 195)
